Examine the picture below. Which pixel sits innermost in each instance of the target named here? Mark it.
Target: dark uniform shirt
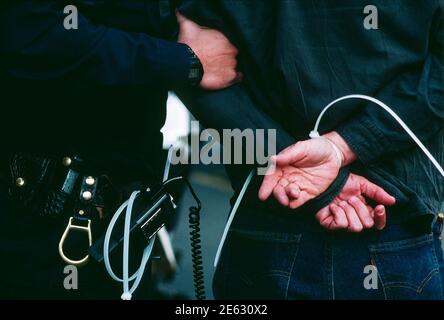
(100, 90)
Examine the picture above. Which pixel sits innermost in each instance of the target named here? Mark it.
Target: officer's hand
(350, 211)
(215, 51)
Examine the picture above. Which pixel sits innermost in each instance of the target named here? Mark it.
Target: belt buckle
(70, 227)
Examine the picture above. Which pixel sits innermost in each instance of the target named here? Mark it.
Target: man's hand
(350, 211)
(215, 51)
(305, 170)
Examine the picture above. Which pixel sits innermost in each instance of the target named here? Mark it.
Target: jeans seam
(388, 247)
(374, 258)
(417, 289)
(435, 256)
(292, 269)
(427, 279)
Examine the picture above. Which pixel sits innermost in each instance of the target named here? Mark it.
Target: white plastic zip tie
(163, 235)
(315, 132)
(137, 276)
(232, 215)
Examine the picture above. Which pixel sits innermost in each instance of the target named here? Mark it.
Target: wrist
(347, 154)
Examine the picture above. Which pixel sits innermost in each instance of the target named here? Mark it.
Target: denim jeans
(277, 256)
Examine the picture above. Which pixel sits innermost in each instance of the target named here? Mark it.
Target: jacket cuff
(326, 198)
(367, 141)
(172, 64)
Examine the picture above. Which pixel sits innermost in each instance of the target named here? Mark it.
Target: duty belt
(64, 188)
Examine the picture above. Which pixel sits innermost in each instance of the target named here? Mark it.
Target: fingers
(325, 218)
(323, 214)
(372, 212)
(380, 217)
(301, 200)
(281, 196)
(340, 217)
(237, 78)
(268, 184)
(293, 191)
(353, 215)
(363, 212)
(354, 222)
(361, 216)
(376, 193)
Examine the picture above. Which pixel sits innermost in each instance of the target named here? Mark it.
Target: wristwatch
(196, 72)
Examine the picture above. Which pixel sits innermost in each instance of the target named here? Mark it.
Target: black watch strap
(196, 72)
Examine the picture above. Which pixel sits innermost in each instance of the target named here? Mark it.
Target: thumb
(380, 217)
(291, 155)
(376, 193)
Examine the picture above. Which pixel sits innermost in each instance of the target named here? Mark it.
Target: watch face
(194, 73)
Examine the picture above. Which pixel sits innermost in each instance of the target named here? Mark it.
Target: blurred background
(214, 190)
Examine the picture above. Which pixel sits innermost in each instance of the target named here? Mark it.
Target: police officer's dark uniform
(90, 100)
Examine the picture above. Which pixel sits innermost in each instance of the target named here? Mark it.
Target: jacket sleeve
(417, 97)
(233, 108)
(35, 45)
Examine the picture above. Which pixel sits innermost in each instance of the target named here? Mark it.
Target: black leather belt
(63, 188)
(59, 186)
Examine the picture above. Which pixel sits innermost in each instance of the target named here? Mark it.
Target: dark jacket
(99, 91)
(297, 56)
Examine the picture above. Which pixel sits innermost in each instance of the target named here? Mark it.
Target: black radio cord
(196, 253)
(196, 242)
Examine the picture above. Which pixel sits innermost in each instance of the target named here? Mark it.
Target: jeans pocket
(256, 265)
(408, 269)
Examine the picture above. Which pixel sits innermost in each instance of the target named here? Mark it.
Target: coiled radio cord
(195, 240)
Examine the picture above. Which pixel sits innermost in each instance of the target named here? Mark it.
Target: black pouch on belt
(58, 187)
